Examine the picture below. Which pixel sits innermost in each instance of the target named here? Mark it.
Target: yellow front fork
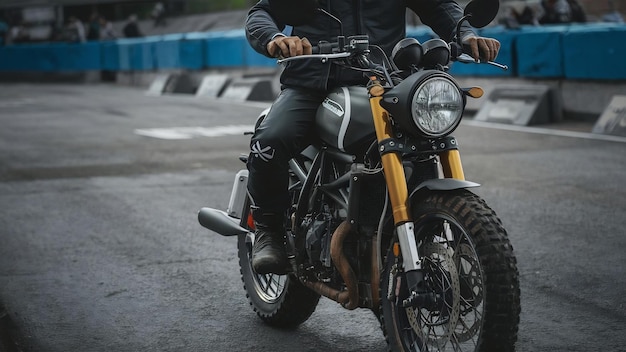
(451, 164)
(392, 164)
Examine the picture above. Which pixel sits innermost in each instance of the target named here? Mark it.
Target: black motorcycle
(382, 216)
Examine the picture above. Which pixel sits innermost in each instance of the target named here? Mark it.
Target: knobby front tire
(470, 266)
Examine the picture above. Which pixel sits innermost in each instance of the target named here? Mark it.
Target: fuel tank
(344, 120)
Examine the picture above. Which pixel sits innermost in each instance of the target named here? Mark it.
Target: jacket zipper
(357, 16)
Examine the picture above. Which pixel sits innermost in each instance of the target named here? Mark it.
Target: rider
(289, 125)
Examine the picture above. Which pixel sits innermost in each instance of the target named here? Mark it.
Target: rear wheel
(469, 268)
(279, 300)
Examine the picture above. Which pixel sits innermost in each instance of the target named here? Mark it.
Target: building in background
(45, 20)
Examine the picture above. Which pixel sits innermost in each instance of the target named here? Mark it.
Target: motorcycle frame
(360, 293)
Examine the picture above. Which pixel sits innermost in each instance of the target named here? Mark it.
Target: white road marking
(547, 131)
(18, 103)
(177, 133)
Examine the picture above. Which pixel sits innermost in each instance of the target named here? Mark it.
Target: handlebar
(346, 47)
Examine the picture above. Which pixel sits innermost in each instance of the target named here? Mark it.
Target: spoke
(263, 282)
(456, 346)
(458, 235)
(465, 301)
(271, 287)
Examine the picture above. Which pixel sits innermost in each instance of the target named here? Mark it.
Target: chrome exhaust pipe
(220, 222)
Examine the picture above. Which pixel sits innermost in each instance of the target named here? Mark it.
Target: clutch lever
(324, 58)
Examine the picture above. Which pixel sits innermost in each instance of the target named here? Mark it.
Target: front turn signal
(474, 92)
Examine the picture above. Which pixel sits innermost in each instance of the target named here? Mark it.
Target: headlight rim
(420, 85)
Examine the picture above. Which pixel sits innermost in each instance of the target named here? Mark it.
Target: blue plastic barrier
(583, 51)
(595, 53)
(193, 51)
(110, 56)
(167, 51)
(51, 57)
(539, 51)
(226, 49)
(253, 59)
(137, 54)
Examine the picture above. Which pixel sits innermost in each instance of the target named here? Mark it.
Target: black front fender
(439, 184)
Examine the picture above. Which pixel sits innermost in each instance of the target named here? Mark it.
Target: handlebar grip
(324, 47)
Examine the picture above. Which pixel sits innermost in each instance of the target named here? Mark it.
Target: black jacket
(384, 21)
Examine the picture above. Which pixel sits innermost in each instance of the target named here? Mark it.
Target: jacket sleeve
(261, 27)
(441, 16)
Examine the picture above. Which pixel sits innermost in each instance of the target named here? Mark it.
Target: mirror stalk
(334, 19)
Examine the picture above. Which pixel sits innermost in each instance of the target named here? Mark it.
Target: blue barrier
(167, 51)
(583, 51)
(539, 51)
(226, 49)
(110, 56)
(51, 57)
(193, 51)
(137, 54)
(595, 53)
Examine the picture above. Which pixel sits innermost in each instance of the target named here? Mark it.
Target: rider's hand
(485, 49)
(289, 46)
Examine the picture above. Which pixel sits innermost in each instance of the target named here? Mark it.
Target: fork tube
(392, 164)
(398, 191)
(451, 164)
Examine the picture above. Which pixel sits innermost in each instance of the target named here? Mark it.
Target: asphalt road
(100, 249)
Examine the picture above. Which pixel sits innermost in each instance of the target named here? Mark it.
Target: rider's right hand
(283, 46)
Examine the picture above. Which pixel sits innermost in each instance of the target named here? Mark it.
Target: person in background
(526, 17)
(131, 29)
(78, 30)
(555, 12)
(93, 28)
(18, 33)
(158, 14)
(577, 12)
(4, 30)
(106, 29)
(613, 15)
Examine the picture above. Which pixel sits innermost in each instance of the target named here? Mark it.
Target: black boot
(268, 251)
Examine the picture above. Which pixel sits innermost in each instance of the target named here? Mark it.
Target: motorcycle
(382, 217)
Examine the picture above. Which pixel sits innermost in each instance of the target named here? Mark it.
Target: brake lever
(467, 59)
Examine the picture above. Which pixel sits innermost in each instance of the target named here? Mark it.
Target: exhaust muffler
(220, 222)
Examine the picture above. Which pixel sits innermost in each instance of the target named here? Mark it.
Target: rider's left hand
(485, 49)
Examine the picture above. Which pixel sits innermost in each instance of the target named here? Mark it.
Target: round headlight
(437, 107)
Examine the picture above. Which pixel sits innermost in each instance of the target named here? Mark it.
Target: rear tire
(469, 263)
(279, 300)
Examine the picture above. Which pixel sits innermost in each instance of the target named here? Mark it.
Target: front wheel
(470, 273)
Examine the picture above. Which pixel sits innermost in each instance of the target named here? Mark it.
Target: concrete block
(180, 83)
(613, 120)
(520, 105)
(253, 89)
(158, 84)
(212, 85)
